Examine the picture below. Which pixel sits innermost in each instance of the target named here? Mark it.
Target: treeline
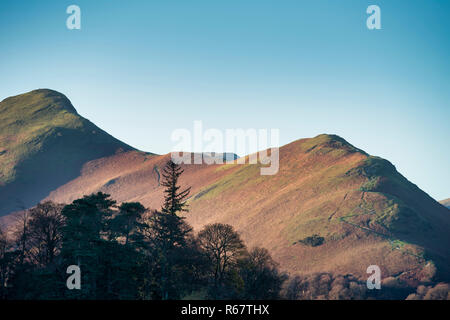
(128, 252)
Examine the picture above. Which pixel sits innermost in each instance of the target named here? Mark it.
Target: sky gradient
(140, 69)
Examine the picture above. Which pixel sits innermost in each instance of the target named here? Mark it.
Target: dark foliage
(127, 252)
(313, 241)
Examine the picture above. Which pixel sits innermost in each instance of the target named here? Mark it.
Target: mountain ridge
(44, 140)
(366, 212)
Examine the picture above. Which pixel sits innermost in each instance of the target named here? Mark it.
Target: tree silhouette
(126, 222)
(260, 275)
(174, 200)
(45, 232)
(84, 238)
(168, 234)
(224, 247)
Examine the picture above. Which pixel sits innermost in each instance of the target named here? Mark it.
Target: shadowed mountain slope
(43, 144)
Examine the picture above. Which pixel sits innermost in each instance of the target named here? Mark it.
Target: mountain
(224, 157)
(44, 143)
(445, 202)
(363, 211)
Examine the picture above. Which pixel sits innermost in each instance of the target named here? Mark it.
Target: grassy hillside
(365, 211)
(330, 208)
(43, 144)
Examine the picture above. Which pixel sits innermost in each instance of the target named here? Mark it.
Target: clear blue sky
(140, 69)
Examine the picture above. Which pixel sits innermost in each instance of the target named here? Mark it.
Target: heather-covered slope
(43, 144)
(364, 210)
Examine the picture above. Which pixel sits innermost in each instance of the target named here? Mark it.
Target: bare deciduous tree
(223, 246)
(45, 225)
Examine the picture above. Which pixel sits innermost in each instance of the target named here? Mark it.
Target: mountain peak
(44, 142)
(366, 212)
(37, 101)
(325, 142)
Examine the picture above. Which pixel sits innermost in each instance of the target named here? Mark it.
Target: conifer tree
(174, 199)
(168, 234)
(84, 240)
(126, 222)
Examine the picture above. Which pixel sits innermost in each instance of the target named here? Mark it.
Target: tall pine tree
(174, 199)
(168, 234)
